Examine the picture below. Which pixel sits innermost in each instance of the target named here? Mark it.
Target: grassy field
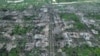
(93, 15)
(25, 3)
(69, 16)
(82, 51)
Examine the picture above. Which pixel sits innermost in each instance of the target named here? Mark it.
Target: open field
(21, 3)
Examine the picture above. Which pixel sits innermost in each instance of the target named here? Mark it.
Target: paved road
(55, 21)
(51, 36)
(74, 2)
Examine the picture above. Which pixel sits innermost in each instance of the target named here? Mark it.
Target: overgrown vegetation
(69, 16)
(83, 50)
(73, 17)
(29, 17)
(80, 26)
(3, 52)
(21, 5)
(34, 52)
(93, 15)
(13, 52)
(21, 30)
